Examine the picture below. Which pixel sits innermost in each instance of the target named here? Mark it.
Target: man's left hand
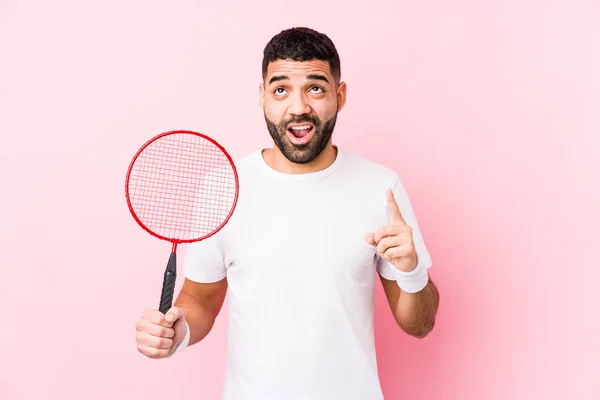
(394, 242)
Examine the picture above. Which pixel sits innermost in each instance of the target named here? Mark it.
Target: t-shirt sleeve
(204, 261)
(387, 270)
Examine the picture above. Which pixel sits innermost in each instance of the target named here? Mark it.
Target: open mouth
(300, 134)
(300, 131)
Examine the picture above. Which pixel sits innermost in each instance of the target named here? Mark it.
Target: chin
(301, 156)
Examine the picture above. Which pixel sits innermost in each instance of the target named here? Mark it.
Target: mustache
(300, 119)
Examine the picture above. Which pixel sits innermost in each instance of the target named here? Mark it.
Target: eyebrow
(313, 77)
(279, 78)
(317, 77)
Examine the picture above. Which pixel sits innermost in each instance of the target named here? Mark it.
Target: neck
(276, 160)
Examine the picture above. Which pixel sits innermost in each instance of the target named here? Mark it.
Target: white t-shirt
(302, 278)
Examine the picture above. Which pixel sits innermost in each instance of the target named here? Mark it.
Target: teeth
(299, 128)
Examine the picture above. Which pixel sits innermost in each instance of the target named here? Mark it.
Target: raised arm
(413, 297)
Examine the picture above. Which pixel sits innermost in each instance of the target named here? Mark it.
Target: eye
(279, 91)
(318, 89)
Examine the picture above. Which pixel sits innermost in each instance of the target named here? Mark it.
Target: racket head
(182, 186)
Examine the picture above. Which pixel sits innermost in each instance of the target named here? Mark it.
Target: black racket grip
(168, 288)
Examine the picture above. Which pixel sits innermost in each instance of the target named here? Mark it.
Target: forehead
(298, 69)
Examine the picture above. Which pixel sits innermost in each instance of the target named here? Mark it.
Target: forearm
(415, 312)
(199, 315)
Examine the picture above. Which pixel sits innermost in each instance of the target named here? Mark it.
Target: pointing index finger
(393, 209)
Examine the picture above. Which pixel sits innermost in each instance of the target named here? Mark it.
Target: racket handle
(168, 288)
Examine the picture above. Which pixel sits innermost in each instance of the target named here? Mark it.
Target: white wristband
(413, 281)
(185, 341)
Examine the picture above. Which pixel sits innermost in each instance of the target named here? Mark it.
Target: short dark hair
(302, 44)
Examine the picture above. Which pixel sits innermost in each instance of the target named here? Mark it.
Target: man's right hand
(159, 334)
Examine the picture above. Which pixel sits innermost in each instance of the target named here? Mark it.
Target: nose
(299, 104)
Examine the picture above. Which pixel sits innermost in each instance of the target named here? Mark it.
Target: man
(313, 227)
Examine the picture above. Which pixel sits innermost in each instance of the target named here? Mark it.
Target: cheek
(325, 109)
(274, 110)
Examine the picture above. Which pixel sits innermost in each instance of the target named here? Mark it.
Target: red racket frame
(178, 241)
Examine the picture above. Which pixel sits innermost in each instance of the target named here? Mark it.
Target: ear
(341, 95)
(261, 100)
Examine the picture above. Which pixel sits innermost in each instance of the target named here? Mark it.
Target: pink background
(488, 109)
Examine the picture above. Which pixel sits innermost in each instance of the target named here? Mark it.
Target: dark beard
(309, 151)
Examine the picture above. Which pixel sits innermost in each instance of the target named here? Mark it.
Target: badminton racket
(182, 187)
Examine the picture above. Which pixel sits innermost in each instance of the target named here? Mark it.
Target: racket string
(182, 186)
